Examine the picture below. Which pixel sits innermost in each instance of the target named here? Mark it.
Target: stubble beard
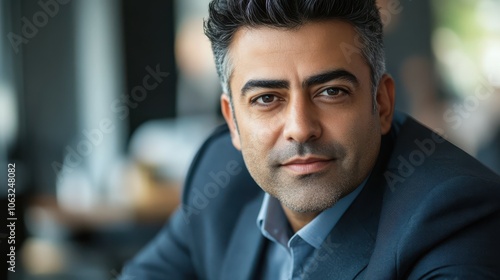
(309, 193)
(304, 193)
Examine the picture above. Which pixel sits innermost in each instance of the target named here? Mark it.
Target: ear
(385, 102)
(228, 114)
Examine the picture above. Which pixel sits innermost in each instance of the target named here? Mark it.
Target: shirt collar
(272, 221)
(274, 224)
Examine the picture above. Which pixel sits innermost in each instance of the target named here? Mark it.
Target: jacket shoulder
(218, 183)
(440, 207)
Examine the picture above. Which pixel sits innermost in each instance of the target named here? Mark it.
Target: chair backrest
(218, 177)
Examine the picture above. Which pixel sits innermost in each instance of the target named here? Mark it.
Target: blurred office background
(103, 104)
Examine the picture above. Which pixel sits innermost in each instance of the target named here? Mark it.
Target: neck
(298, 220)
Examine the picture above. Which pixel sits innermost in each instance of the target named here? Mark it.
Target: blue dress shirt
(287, 252)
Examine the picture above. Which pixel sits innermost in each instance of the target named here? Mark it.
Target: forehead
(265, 52)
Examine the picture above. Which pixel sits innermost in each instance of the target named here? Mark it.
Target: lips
(307, 165)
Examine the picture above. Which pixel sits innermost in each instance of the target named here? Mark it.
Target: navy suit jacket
(428, 211)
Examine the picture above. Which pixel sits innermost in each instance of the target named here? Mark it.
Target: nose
(302, 122)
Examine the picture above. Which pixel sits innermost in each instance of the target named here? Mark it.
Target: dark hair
(227, 16)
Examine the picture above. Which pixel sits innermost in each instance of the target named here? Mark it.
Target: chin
(310, 200)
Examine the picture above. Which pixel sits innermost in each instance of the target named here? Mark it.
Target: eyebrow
(254, 84)
(339, 74)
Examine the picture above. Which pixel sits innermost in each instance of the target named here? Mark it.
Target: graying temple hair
(227, 16)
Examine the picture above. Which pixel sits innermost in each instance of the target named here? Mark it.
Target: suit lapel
(349, 246)
(246, 245)
(347, 249)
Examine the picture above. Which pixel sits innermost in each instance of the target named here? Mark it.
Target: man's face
(304, 109)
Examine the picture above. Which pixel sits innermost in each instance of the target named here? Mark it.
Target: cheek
(366, 141)
(257, 135)
(257, 140)
(356, 133)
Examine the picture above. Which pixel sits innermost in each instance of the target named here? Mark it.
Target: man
(349, 191)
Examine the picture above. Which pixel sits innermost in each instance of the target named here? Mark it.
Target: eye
(334, 92)
(265, 99)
